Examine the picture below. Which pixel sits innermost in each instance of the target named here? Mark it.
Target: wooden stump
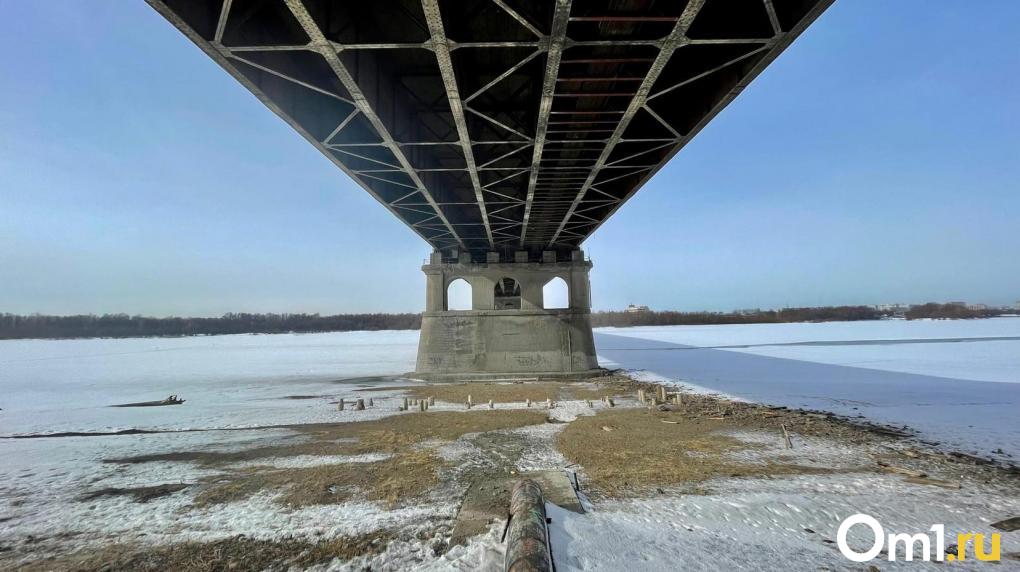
(360, 406)
(340, 404)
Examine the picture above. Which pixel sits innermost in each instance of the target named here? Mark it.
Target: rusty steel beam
(580, 79)
(557, 40)
(778, 44)
(325, 48)
(221, 55)
(583, 94)
(623, 19)
(607, 60)
(677, 37)
(441, 47)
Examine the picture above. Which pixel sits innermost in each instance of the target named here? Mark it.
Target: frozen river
(958, 382)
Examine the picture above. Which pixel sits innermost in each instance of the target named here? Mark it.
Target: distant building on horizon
(891, 308)
(635, 309)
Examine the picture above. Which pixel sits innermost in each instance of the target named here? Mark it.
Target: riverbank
(659, 482)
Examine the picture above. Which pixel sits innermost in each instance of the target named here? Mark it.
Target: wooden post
(588, 401)
(422, 406)
(371, 402)
(469, 401)
(611, 402)
(491, 405)
(405, 404)
(641, 396)
(786, 437)
(527, 402)
(662, 394)
(360, 405)
(340, 404)
(432, 401)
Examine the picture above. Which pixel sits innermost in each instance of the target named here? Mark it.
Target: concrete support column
(531, 293)
(435, 291)
(486, 341)
(580, 290)
(483, 292)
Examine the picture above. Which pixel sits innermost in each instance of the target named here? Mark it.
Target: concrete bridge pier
(510, 330)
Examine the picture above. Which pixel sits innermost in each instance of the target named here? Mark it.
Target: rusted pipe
(527, 542)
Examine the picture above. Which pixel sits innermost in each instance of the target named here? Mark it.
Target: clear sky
(877, 160)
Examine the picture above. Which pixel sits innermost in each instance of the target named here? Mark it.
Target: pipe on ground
(527, 541)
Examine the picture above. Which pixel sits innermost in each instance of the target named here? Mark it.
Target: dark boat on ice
(172, 400)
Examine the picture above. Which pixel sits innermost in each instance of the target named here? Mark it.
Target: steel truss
(526, 125)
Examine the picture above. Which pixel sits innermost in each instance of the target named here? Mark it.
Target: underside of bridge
(503, 132)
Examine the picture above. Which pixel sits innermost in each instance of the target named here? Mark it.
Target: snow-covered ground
(956, 381)
(228, 381)
(766, 524)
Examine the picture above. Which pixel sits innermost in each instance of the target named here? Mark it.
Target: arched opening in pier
(507, 295)
(555, 294)
(458, 295)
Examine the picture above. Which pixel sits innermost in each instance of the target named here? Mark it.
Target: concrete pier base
(508, 332)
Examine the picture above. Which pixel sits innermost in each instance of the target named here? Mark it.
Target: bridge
(503, 132)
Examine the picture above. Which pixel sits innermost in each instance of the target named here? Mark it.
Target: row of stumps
(421, 404)
(527, 536)
(359, 405)
(660, 397)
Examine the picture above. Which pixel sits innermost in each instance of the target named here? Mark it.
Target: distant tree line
(948, 311)
(670, 318)
(124, 326)
(13, 326)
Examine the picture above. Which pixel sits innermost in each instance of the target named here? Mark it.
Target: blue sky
(877, 160)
